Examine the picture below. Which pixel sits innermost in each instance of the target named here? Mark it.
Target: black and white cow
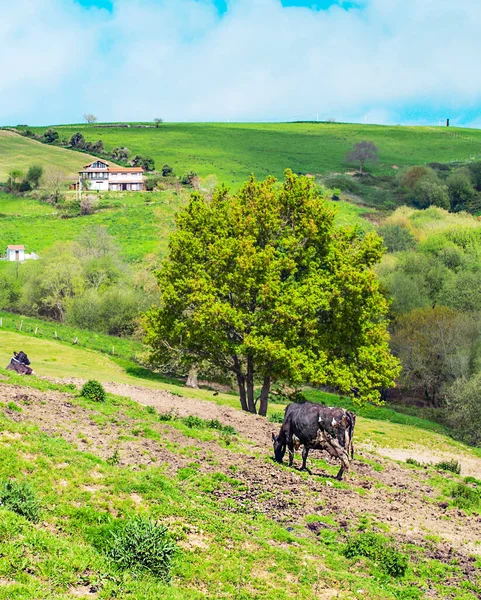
(316, 427)
(20, 364)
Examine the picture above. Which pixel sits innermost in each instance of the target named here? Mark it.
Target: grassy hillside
(245, 528)
(139, 222)
(233, 151)
(17, 152)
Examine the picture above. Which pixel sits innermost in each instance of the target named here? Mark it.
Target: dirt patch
(469, 465)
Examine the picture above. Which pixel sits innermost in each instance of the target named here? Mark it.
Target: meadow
(232, 151)
(18, 152)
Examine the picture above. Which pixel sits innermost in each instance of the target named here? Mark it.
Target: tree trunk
(250, 386)
(266, 386)
(192, 381)
(241, 382)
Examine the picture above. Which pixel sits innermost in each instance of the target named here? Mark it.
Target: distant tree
(146, 162)
(189, 178)
(120, 154)
(413, 175)
(362, 153)
(396, 237)
(54, 184)
(90, 118)
(429, 193)
(12, 182)
(34, 175)
(475, 170)
(436, 346)
(88, 204)
(167, 171)
(77, 141)
(158, 121)
(97, 147)
(50, 136)
(247, 287)
(464, 408)
(460, 188)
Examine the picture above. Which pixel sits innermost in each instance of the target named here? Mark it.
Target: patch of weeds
(466, 497)
(14, 407)
(452, 466)
(472, 480)
(93, 390)
(143, 545)
(226, 438)
(378, 549)
(194, 422)
(414, 462)
(276, 417)
(114, 460)
(151, 410)
(20, 498)
(168, 416)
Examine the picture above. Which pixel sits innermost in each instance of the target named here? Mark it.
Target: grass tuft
(19, 497)
(377, 548)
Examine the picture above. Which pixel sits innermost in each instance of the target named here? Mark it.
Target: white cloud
(179, 60)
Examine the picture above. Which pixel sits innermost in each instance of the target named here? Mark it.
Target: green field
(233, 151)
(140, 223)
(17, 152)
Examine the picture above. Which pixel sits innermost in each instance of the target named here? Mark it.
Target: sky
(367, 61)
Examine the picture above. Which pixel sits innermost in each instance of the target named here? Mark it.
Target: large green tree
(263, 284)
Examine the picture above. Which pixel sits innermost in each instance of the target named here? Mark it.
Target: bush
(396, 237)
(143, 545)
(276, 417)
(413, 461)
(93, 390)
(378, 549)
(464, 409)
(428, 193)
(466, 497)
(449, 465)
(20, 498)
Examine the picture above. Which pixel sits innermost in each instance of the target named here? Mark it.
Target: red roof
(15, 247)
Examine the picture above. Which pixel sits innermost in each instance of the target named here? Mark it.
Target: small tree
(464, 408)
(262, 284)
(362, 153)
(121, 154)
(34, 175)
(12, 181)
(158, 121)
(146, 162)
(90, 118)
(88, 204)
(50, 136)
(77, 141)
(167, 171)
(97, 147)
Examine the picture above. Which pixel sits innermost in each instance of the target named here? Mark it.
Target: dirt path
(384, 491)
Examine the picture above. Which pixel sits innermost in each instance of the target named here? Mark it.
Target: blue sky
(370, 61)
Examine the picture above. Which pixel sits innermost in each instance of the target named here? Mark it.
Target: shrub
(466, 497)
(93, 390)
(20, 498)
(378, 549)
(413, 461)
(464, 409)
(276, 417)
(449, 465)
(143, 545)
(169, 416)
(428, 193)
(194, 422)
(396, 237)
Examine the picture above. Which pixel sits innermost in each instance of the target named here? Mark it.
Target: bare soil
(392, 494)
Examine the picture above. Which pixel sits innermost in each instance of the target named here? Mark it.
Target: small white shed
(16, 253)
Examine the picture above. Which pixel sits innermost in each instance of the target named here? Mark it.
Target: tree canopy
(263, 284)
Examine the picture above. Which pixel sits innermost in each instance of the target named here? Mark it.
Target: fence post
(1, 322)
(21, 325)
(113, 349)
(55, 334)
(36, 329)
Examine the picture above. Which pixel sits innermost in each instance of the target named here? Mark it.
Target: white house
(103, 176)
(16, 253)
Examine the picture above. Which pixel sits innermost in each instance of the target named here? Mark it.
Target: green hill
(17, 152)
(233, 151)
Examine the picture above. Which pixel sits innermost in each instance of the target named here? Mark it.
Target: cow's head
(22, 357)
(279, 447)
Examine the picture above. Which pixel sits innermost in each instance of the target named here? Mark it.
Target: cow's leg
(305, 453)
(290, 448)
